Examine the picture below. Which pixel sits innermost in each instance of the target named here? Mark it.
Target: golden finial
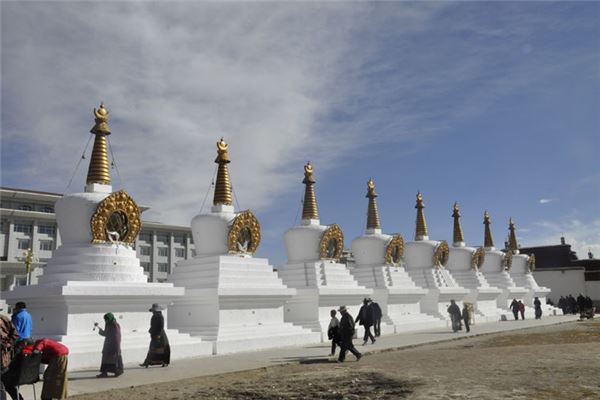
(512, 237)
(223, 185)
(421, 232)
(309, 210)
(99, 171)
(488, 240)
(372, 213)
(458, 236)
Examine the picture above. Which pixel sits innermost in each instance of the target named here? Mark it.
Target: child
(333, 331)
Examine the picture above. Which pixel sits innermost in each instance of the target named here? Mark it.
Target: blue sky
(493, 105)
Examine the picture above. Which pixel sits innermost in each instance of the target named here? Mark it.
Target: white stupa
(494, 269)
(521, 269)
(464, 263)
(232, 299)
(425, 264)
(96, 271)
(321, 282)
(379, 266)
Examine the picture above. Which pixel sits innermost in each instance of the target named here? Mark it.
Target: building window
(179, 239)
(146, 266)
(47, 229)
(163, 267)
(145, 250)
(48, 209)
(146, 237)
(46, 245)
(162, 238)
(180, 253)
(163, 252)
(23, 227)
(25, 207)
(23, 244)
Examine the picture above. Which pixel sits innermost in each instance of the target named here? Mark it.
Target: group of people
(582, 305)
(17, 346)
(341, 332)
(458, 317)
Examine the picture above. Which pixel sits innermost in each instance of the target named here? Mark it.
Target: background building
(27, 220)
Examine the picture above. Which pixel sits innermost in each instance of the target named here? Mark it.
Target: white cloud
(546, 201)
(583, 236)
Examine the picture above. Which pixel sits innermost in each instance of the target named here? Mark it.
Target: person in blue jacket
(21, 319)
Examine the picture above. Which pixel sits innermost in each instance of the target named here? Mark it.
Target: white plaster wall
(210, 231)
(74, 213)
(592, 289)
(370, 249)
(562, 282)
(302, 242)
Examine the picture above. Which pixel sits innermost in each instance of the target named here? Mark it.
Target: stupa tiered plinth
(521, 269)
(379, 266)
(321, 282)
(425, 264)
(232, 299)
(494, 269)
(464, 263)
(96, 271)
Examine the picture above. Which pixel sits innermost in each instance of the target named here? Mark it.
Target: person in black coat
(455, 316)
(365, 318)
(514, 306)
(466, 317)
(346, 333)
(159, 352)
(377, 314)
(538, 308)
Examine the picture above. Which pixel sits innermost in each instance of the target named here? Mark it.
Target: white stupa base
(67, 313)
(236, 303)
(437, 301)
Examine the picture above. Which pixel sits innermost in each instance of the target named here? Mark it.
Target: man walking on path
(333, 332)
(21, 319)
(522, 309)
(365, 318)
(346, 334)
(538, 308)
(466, 316)
(377, 314)
(455, 316)
(514, 306)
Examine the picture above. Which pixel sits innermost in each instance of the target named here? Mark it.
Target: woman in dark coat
(538, 308)
(159, 352)
(111, 351)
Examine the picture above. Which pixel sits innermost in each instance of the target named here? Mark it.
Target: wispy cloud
(546, 201)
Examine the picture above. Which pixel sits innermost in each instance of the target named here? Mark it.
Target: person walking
(54, 354)
(522, 309)
(333, 332)
(21, 319)
(9, 336)
(455, 316)
(365, 318)
(346, 334)
(377, 314)
(538, 308)
(514, 306)
(562, 304)
(466, 316)
(112, 361)
(159, 352)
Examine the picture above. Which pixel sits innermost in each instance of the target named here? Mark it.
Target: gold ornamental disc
(441, 254)
(531, 262)
(394, 250)
(478, 258)
(244, 233)
(117, 219)
(332, 243)
(507, 260)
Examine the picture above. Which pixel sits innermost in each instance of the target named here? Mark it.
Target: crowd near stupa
(226, 300)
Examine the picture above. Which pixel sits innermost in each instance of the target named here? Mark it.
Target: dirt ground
(557, 362)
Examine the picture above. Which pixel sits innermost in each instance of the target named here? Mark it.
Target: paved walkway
(86, 382)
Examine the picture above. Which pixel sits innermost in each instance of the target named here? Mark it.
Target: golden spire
(488, 240)
(223, 185)
(458, 236)
(309, 211)
(372, 213)
(512, 238)
(98, 171)
(421, 233)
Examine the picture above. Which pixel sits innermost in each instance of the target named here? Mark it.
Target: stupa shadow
(306, 360)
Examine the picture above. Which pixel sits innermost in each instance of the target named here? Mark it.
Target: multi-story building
(28, 221)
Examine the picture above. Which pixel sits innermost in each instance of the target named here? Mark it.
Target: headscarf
(109, 317)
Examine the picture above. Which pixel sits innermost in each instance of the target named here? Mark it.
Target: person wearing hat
(346, 332)
(366, 318)
(21, 319)
(159, 352)
(112, 361)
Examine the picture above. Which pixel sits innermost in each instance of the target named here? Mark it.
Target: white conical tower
(379, 266)
(425, 263)
(96, 270)
(313, 268)
(233, 300)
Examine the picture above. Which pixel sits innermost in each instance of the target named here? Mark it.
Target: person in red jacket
(54, 354)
